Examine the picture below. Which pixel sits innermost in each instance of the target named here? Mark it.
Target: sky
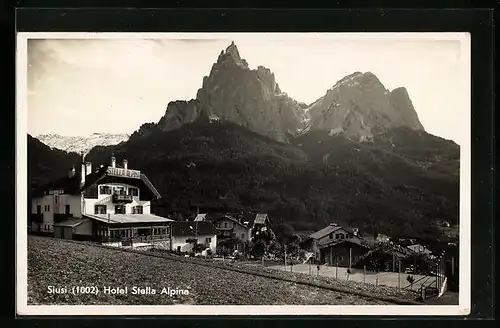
(80, 86)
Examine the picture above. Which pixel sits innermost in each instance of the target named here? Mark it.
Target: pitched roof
(355, 241)
(187, 228)
(325, 231)
(260, 218)
(128, 218)
(417, 248)
(200, 217)
(73, 222)
(71, 185)
(227, 217)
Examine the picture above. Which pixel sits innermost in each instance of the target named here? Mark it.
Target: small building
(66, 229)
(335, 245)
(381, 238)
(260, 227)
(186, 234)
(419, 249)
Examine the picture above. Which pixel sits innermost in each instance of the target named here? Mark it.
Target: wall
(48, 216)
(186, 247)
(110, 206)
(237, 229)
(85, 228)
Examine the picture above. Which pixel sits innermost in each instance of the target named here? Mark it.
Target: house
(419, 249)
(381, 238)
(335, 245)
(200, 217)
(109, 204)
(186, 234)
(229, 226)
(259, 226)
(231, 229)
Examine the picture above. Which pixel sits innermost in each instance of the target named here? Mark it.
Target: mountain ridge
(79, 144)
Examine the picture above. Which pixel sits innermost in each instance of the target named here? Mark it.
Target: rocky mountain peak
(231, 56)
(359, 106)
(235, 93)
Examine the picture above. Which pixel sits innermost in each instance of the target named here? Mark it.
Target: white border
(413, 310)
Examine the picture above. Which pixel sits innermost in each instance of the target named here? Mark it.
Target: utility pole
(399, 274)
(284, 247)
(350, 258)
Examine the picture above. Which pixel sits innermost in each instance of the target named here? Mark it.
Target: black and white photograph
(243, 173)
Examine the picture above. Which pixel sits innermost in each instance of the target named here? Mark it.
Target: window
(341, 236)
(56, 199)
(100, 209)
(119, 190)
(67, 209)
(133, 191)
(208, 240)
(337, 236)
(105, 190)
(119, 209)
(47, 208)
(242, 236)
(331, 236)
(137, 210)
(39, 209)
(225, 224)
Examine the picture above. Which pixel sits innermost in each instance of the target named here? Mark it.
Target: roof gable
(261, 218)
(325, 231)
(187, 228)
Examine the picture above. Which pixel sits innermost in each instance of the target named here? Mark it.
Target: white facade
(187, 247)
(106, 199)
(56, 203)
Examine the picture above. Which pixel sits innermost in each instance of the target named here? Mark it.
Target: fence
(436, 287)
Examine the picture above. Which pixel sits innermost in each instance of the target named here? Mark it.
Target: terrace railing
(122, 198)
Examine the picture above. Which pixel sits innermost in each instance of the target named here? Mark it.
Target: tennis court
(382, 278)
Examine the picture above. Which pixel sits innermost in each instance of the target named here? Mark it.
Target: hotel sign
(126, 173)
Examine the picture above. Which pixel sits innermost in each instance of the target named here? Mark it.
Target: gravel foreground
(57, 263)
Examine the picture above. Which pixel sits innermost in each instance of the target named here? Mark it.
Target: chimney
(82, 174)
(113, 161)
(125, 164)
(72, 172)
(88, 168)
(82, 171)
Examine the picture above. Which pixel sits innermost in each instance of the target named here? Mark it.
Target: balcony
(122, 198)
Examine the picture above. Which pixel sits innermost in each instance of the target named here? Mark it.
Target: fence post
(336, 270)
(376, 281)
(364, 274)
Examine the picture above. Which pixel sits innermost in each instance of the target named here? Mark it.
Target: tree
(258, 249)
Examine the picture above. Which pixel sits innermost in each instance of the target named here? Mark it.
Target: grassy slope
(58, 263)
